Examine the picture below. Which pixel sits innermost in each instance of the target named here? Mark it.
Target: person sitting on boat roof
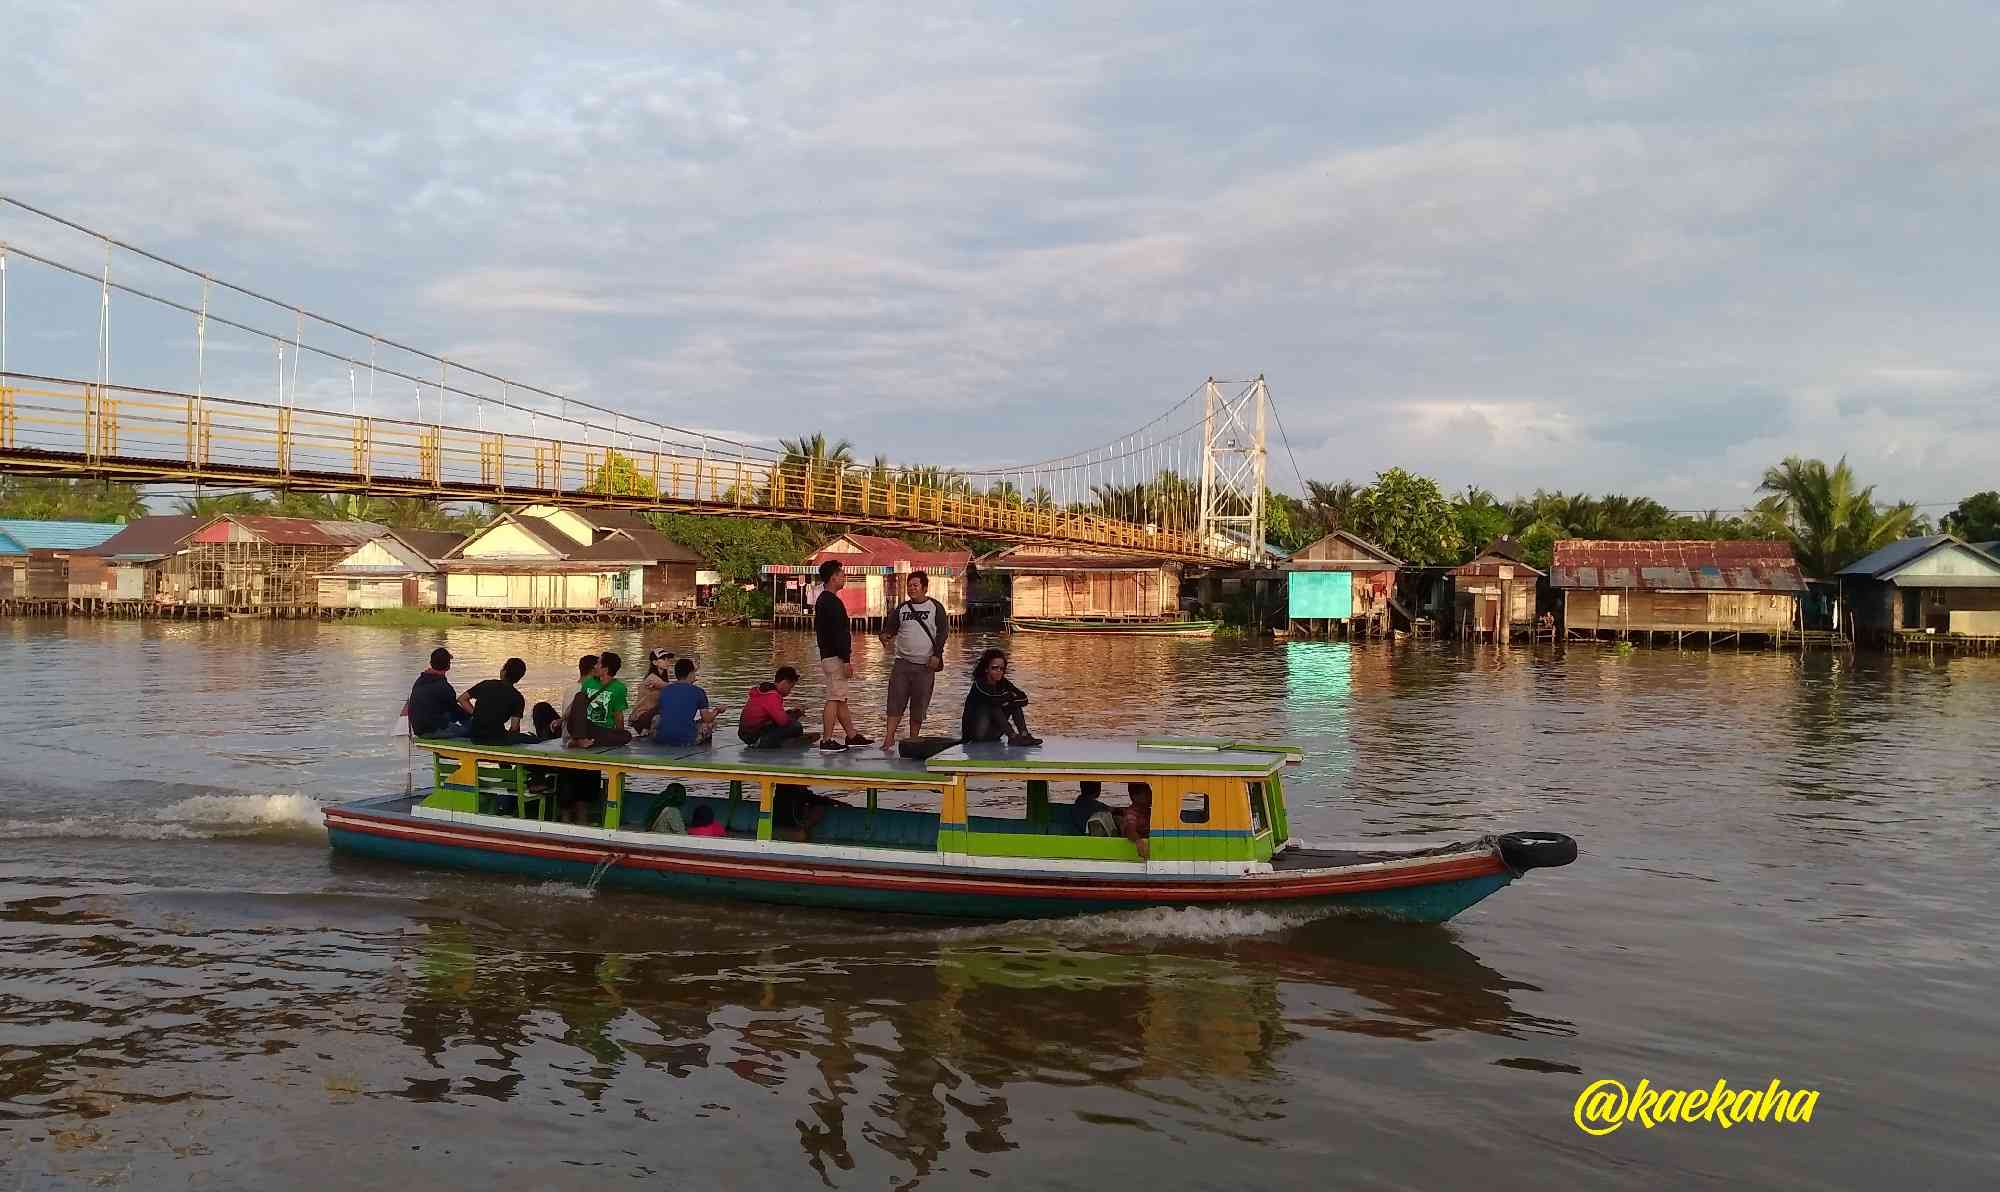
(433, 709)
(767, 722)
(685, 715)
(495, 706)
(1136, 821)
(646, 698)
(993, 704)
(608, 702)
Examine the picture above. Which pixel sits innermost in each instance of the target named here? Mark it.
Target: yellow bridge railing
(57, 426)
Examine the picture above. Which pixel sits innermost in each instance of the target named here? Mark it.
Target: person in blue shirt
(685, 715)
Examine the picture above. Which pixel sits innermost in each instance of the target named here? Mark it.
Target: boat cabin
(1217, 806)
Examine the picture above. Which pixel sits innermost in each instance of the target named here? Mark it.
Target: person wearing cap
(433, 709)
(646, 701)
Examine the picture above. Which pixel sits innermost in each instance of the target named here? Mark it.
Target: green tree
(1408, 516)
(1332, 504)
(1977, 518)
(1829, 519)
(49, 498)
(619, 475)
(736, 546)
(1537, 541)
(1289, 523)
(218, 504)
(1480, 519)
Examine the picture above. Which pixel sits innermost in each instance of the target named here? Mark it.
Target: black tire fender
(1523, 851)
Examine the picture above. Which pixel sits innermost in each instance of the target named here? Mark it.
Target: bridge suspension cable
(1144, 479)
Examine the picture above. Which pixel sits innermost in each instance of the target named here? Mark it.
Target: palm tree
(1333, 504)
(203, 505)
(1831, 522)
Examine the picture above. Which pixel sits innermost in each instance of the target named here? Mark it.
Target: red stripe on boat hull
(1246, 889)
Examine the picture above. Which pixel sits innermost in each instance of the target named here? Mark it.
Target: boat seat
(503, 790)
(1059, 823)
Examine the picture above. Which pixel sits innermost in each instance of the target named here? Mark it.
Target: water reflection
(906, 1043)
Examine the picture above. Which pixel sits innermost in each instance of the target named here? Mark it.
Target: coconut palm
(1829, 519)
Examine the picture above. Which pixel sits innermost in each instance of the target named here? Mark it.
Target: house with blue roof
(1933, 586)
(18, 536)
(34, 555)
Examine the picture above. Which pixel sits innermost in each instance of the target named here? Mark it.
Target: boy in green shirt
(608, 702)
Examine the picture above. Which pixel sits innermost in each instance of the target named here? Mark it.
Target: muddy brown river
(1788, 872)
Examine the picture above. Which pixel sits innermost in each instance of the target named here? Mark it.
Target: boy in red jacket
(767, 723)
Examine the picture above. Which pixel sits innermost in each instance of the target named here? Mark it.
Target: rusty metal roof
(1676, 566)
(297, 531)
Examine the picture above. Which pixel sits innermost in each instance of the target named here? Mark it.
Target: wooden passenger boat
(980, 831)
(1131, 627)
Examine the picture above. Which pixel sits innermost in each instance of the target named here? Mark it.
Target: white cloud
(1516, 248)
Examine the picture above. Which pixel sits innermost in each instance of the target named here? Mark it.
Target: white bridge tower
(1232, 469)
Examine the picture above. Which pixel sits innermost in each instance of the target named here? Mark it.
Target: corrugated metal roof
(1900, 553)
(1489, 564)
(303, 531)
(19, 536)
(431, 544)
(150, 537)
(1676, 566)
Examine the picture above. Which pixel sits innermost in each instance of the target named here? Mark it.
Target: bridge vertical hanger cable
(104, 323)
(3, 308)
(371, 373)
(201, 345)
(298, 338)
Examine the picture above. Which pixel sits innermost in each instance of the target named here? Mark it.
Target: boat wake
(201, 817)
(1153, 923)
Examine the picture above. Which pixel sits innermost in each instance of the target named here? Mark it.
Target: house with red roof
(875, 567)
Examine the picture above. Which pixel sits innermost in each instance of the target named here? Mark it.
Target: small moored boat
(979, 831)
(1128, 626)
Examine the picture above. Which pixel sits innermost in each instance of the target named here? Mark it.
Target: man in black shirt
(433, 707)
(495, 706)
(836, 660)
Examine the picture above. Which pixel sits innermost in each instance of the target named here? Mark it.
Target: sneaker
(829, 745)
(857, 740)
(1024, 742)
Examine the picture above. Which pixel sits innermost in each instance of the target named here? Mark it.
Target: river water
(1787, 872)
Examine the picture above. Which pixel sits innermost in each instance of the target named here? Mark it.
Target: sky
(1639, 248)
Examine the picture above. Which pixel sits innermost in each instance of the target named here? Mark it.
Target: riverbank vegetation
(416, 618)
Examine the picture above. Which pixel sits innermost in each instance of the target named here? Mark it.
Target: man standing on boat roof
(916, 630)
(433, 706)
(836, 659)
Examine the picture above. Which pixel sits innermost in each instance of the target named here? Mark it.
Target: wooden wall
(1751, 612)
(1096, 594)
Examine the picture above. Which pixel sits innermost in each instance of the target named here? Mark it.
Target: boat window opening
(847, 817)
(1194, 808)
(669, 809)
(1022, 807)
(1260, 818)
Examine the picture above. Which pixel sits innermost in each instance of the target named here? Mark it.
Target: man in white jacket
(916, 630)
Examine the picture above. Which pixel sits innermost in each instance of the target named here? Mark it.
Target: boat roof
(1055, 755)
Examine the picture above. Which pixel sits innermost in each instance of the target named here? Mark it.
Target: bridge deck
(61, 426)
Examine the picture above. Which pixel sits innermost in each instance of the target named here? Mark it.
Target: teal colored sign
(1321, 595)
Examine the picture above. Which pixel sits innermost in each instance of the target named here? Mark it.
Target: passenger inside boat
(797, 811)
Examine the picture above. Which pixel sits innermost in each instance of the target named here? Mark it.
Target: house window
(621, 582)
(1607, 604)
(353, 586)
(1194, 808)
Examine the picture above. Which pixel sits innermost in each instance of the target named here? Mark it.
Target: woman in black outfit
(993, 705)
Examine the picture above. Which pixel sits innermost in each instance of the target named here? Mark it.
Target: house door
(410, 597)
(1489, 612)
(1913, 609)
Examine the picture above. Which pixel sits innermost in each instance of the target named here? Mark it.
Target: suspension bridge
(179, 409)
